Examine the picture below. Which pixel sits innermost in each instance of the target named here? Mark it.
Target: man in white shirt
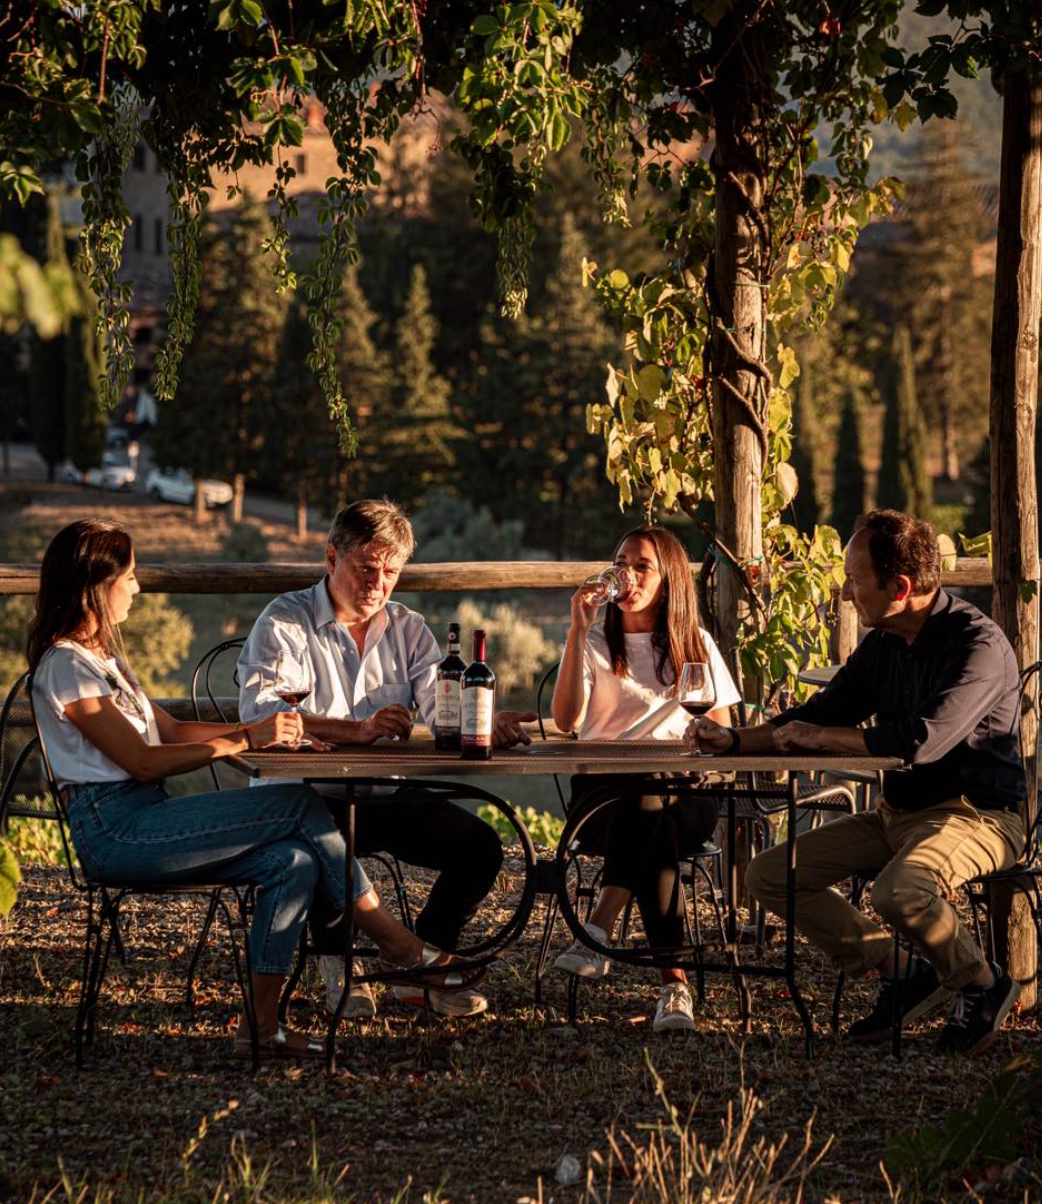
(371, 660)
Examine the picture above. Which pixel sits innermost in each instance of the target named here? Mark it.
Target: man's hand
(797, 734)
(508, 729)
(394, 720)
(705, 735)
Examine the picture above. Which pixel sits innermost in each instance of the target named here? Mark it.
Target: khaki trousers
(916, 858)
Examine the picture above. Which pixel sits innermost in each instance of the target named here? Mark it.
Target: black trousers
(424, 831)
(643, 838)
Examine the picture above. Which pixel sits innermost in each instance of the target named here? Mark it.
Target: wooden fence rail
(483, 575)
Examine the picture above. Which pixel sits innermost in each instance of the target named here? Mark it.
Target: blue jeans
(281, 840)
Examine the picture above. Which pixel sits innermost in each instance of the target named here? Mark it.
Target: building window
(139, 157)
(300, 162)
(139, 233)
(158, 233)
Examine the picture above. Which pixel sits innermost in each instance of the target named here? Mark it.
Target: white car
(178, 485)
(111, 476)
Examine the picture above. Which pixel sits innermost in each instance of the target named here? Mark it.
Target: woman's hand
(283, 727)
(584, 609)
(707, 736)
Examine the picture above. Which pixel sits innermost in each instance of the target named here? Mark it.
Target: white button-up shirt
(398, 663)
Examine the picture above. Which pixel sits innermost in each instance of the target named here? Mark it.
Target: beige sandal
(430, 955)
(276, 1046)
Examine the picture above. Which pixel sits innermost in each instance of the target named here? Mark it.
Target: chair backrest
(24, 790)
(217, 667)
(547, 679)
(1031, 699)
(60, 812)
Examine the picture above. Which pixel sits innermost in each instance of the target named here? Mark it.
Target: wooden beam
(461, 577)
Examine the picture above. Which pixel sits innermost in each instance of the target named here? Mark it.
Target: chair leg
(239, 924)
(544, 945)
(108, 924)
(573, 998)
(91, 950)
(900, 978)
(197, 952)
(295, 976)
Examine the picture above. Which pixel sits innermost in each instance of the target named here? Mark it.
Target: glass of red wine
(696, 693)
(293, 683)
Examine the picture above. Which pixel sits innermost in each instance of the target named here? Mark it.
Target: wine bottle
(447, 696)
(478, 705)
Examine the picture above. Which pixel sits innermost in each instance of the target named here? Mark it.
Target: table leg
(790, 915)
(740, 985)
(349, 925)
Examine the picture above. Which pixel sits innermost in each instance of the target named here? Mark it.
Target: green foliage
(412, 427)
(904, 481)
(848, 491)
(449, 528)
(806, 506)
(981, 1134)
(35, 841)
(157, 638)
(517, 649)
(218, 424)
(47, 358)
(244, 544)
(85, 416)
(544, 827)
(10, 876)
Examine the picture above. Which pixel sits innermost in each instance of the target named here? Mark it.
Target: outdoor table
(356, 765)
(818, 677)
(395, 765)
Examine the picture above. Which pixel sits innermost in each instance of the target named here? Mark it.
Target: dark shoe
(920, 992)
(977, 1015)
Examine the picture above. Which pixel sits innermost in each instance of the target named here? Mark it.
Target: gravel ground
(481, 1110)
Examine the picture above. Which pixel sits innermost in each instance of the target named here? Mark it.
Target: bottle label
(478, 708)
(446, 705)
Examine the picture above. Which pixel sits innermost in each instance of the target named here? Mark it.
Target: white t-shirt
(639, 706)
(66, 673)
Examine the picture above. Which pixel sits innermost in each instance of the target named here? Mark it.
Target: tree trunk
(302, 515)
(1014, 398)
(738, 341)
(238, 497)
(200, 504)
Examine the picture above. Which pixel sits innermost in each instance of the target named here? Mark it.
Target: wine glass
(696, 693)
(609, 585)
(293, 682)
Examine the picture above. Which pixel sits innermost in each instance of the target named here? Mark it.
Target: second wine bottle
(478, 709)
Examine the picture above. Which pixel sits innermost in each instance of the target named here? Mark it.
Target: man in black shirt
(941, 680)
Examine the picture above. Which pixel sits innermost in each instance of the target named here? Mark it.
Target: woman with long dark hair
(110, 749)
(618, 680)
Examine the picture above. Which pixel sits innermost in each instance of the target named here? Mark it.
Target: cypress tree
(806, 505)
(216, 425)
(411, 435)
(85, 420)
(904, 481)
(47, 361)
(848, 491)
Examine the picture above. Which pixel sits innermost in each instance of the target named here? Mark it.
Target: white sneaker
(675, 1011)
(581, 960)
(361, 1002)
(465, 1002)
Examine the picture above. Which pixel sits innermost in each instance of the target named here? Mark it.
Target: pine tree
(47, 361)
(943, 297)
(412, 437)
(806, 505)
(306, 461)
(85, 420)
(848, 491)
(529, 454)
(217, 423)
(904, 481)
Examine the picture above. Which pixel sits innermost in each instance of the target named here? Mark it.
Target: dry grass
(477, 1111)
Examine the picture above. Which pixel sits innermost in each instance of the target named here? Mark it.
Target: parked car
(116, 477)
(177, 485)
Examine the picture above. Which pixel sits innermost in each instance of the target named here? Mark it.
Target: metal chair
(104, 899)
(1025, 877)
(695, 869)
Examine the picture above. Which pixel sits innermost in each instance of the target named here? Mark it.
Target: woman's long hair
(676, 637)
(80, 563)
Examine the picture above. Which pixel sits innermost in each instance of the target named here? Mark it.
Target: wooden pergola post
(1014, 399)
